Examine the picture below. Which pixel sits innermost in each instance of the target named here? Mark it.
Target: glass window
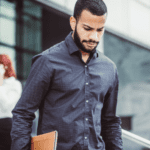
(7, 24)
(133, 65)
(32, 34)
(7, 31)
(27, 59)
(7, 9)
(20, 33)
(32, 9)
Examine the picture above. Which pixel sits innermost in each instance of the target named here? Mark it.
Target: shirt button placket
(86, 106)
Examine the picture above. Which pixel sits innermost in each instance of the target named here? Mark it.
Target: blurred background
(28, 27)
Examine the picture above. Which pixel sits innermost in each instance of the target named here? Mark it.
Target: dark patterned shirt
(75, 98)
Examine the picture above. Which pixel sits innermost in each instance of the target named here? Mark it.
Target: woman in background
(10, 92)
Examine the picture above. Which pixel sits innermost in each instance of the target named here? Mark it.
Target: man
(74, 87)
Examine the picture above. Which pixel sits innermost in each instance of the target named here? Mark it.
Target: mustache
(90, 41)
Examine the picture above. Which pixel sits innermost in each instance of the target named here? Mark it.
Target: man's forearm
(112, 134)
(21, 131)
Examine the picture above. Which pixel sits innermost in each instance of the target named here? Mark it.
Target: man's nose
(94, 36)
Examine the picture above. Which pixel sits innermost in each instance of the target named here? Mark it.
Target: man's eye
(87, 29)
(100, 30)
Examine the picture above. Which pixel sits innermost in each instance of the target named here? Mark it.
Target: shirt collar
(71, 44)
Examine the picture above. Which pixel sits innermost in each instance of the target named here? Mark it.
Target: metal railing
(135, 138)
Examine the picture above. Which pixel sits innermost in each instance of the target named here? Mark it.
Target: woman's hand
(2, 72)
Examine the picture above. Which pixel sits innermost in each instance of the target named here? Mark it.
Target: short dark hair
(96, 7)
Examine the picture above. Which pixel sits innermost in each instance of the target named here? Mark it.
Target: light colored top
(10, 93)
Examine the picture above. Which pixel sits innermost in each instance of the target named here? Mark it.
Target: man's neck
(84, 53)
(85, 56)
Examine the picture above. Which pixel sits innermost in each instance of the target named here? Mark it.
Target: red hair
(6, 61)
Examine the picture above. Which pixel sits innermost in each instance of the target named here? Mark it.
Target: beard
(80, 45)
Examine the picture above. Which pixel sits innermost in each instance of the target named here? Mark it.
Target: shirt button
(87, 83)
(85, 65)
(86, 119)
(87, 101)
(85, 137)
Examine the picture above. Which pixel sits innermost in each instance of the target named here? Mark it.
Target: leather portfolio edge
(41, 137)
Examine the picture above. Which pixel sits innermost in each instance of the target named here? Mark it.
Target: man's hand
(2, 72)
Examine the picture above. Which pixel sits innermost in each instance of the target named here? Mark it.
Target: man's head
(88, 23)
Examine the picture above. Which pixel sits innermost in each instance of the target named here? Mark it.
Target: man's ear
(72, 23)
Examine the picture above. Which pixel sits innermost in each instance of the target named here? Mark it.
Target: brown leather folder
(47, 141)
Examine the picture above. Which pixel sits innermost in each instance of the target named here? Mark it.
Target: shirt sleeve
(9, 95)
(35, 90)
(111, 124)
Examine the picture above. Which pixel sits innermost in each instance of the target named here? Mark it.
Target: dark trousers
(5, 128)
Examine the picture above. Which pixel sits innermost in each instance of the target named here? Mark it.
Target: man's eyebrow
(87, 26)
(91, 27)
